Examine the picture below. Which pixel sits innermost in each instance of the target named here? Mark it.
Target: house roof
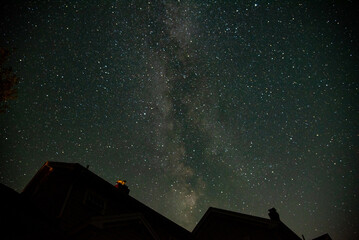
(74, 172)
(238, 216)
(244, 218)
(323, 237)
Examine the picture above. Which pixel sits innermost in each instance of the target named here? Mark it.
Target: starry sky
(240, 105)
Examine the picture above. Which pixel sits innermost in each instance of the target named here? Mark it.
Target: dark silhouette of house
(67, 201)
(222, 224)
(85, 206)
(323, 237)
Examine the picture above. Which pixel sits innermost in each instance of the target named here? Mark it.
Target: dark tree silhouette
(8, 81)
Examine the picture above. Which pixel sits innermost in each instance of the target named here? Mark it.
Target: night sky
(240, 105)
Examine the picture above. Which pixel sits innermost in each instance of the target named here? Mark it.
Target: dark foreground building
(223, 224)
(84, 206)
(67, 201)
(323, 237)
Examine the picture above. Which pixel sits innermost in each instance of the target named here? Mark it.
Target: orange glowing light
(122, 182)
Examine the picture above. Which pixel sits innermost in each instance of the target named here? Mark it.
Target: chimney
(121, 186)
(273, 215)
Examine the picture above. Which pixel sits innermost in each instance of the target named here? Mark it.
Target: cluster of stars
(241, 105)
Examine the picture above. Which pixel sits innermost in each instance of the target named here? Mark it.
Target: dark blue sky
(241, 105)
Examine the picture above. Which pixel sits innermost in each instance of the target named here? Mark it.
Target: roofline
(52, 164)
(34, 177)
(259, 220)
(210, 210)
